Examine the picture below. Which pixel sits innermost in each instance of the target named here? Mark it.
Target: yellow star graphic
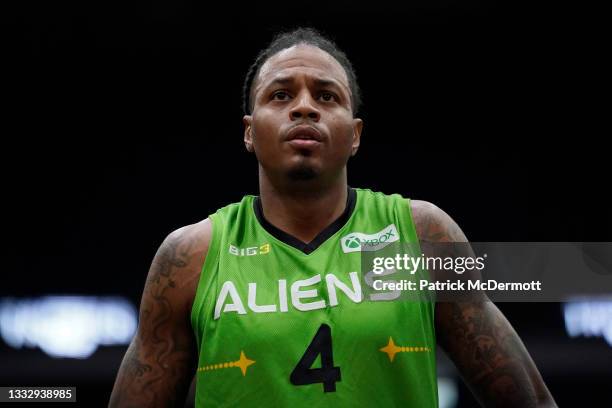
(243, 363)
(391, 349)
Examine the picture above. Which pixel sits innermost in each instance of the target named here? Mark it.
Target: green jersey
(280, 323)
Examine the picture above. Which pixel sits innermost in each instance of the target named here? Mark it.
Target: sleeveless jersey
(280, 323)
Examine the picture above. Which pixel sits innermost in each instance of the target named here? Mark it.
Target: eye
(328, 97)
(280, 96)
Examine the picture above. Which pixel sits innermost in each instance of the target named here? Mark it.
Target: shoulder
(433, 224)
(190, 239)
(191, 242)
(186, 247)
(179, 259)
(424, 212)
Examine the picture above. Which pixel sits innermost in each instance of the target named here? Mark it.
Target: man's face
(302, 124)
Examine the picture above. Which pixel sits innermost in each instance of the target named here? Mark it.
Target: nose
(304, 107)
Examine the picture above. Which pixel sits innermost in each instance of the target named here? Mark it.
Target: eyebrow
(320, 82)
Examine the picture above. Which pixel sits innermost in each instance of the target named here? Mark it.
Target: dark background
(125, 123)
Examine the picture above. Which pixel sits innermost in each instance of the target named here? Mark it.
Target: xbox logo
(358, 241)
(352, 242)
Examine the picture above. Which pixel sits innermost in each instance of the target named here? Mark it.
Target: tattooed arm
(161, 360)
(487, 351)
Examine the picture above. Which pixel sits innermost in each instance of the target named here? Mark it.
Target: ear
(248, 138)
(357, 128)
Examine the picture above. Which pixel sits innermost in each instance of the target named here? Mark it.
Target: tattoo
(135, 367)
(160, 362)
(433, 225)
(477, 337)
(488, 353)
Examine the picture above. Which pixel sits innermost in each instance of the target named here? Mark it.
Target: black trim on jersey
(307, 248)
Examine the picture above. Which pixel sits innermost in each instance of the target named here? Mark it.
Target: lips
(304, 132)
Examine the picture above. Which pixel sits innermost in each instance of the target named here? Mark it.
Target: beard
(302, 172)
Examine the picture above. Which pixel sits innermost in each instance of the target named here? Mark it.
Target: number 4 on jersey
(302, 374)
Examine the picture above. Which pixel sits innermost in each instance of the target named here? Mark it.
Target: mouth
(304, 137)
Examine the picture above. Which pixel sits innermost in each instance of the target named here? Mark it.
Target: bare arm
(488, 353)
(160, 362)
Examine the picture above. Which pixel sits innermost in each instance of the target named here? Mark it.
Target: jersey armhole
(212, 257)
(413, 236)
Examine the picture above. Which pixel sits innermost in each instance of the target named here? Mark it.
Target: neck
(303, 209)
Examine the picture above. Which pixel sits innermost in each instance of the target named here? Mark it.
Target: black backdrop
(125, 123)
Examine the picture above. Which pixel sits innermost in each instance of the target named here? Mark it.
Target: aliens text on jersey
(230, 301)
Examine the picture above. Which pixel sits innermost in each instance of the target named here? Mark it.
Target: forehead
(302, 58)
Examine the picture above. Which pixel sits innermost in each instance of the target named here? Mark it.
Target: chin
(302, 173)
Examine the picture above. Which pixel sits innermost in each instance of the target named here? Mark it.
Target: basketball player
(262, 301)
